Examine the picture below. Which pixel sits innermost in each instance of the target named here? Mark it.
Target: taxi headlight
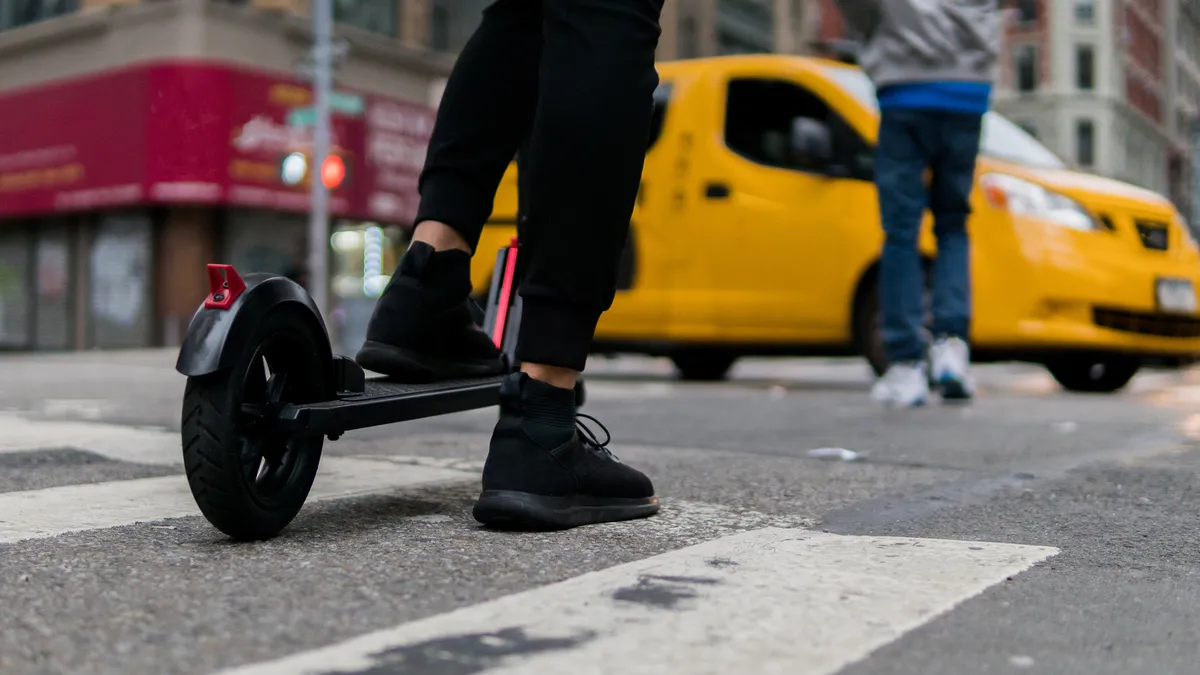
(1026, 198)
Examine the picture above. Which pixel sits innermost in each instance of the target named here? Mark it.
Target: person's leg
(950, 194)
(422, 328)
(582, 173)
(900, 164)
(585, 163)
(901, 159)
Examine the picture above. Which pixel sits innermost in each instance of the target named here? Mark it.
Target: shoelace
(589, 439)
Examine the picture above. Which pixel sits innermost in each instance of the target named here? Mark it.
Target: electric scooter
(264, 390)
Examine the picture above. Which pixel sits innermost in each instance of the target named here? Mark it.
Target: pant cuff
(555, 333)
(958, 329)
(446, 199)
(908, 351)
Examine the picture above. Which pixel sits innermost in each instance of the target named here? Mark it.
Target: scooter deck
(386, 402)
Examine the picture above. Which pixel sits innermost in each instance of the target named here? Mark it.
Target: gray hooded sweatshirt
(909, 41)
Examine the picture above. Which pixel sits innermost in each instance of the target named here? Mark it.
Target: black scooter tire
(219, 438)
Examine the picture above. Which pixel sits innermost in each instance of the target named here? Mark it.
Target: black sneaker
(424, 327)
(547, 471)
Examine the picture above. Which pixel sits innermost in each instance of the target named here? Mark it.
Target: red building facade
(115, 186)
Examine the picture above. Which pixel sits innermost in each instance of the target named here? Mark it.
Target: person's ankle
(555, 376)
(539, 410)
(440, 236)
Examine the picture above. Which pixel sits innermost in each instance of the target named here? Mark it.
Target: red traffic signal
(333, 172)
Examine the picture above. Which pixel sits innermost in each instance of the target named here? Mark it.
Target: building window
(377, 16)
(744, 27)
(1027, 11)
(1026, 66)
(1085, 67)
(15, 13)
(16, 293)
(688, 47)
(1085, 143)
(439, 27)
(1085, 11)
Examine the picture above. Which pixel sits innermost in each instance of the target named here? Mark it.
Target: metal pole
(318, 227)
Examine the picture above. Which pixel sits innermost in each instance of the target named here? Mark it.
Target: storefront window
(363, 257)
(121, 282)
(54, 287)
(15, 306)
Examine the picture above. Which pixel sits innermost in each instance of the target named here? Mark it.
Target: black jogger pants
(571, 82)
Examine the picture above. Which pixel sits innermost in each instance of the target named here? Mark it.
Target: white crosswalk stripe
(58, 510)
(768, 601)
(115, 442)
(761, 593)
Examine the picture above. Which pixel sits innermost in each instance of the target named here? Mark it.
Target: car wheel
(1093, 374)
(703, 364)
(868, 322)
(868, 328)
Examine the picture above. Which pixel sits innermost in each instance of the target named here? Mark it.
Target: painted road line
(160, 447)
(116, 442)
(35, 514)
(769, 601)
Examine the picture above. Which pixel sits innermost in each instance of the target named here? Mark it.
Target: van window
(758, 126)
(662, 96)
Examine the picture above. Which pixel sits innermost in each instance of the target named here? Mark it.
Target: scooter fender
(216, 333)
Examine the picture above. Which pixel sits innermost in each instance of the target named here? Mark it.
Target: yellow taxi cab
(756, 235)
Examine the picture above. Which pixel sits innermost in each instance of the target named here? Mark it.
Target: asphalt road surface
(1032, 531)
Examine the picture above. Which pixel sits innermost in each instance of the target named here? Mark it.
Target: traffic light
(333, 172)
(293, 170)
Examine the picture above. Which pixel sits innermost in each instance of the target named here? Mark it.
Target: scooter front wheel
(248, 478)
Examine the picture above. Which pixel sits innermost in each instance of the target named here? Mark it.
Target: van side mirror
(812, 143)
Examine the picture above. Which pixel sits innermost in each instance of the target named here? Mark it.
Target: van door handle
(716, 191)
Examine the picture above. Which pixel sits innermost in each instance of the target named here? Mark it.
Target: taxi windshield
(1001, 138)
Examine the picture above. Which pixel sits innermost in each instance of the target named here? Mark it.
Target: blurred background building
(144, 138)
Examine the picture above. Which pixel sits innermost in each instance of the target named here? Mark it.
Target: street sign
(347, 104)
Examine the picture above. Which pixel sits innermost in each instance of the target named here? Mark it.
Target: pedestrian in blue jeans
(932, 62)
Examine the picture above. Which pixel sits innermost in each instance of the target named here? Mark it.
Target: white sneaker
(904, 385)
(951, 362)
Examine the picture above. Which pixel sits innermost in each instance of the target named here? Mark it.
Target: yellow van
(743, 243)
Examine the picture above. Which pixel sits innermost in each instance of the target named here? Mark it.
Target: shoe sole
(954, 390)
(407, 365)
(891, 402)
(507, 509)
